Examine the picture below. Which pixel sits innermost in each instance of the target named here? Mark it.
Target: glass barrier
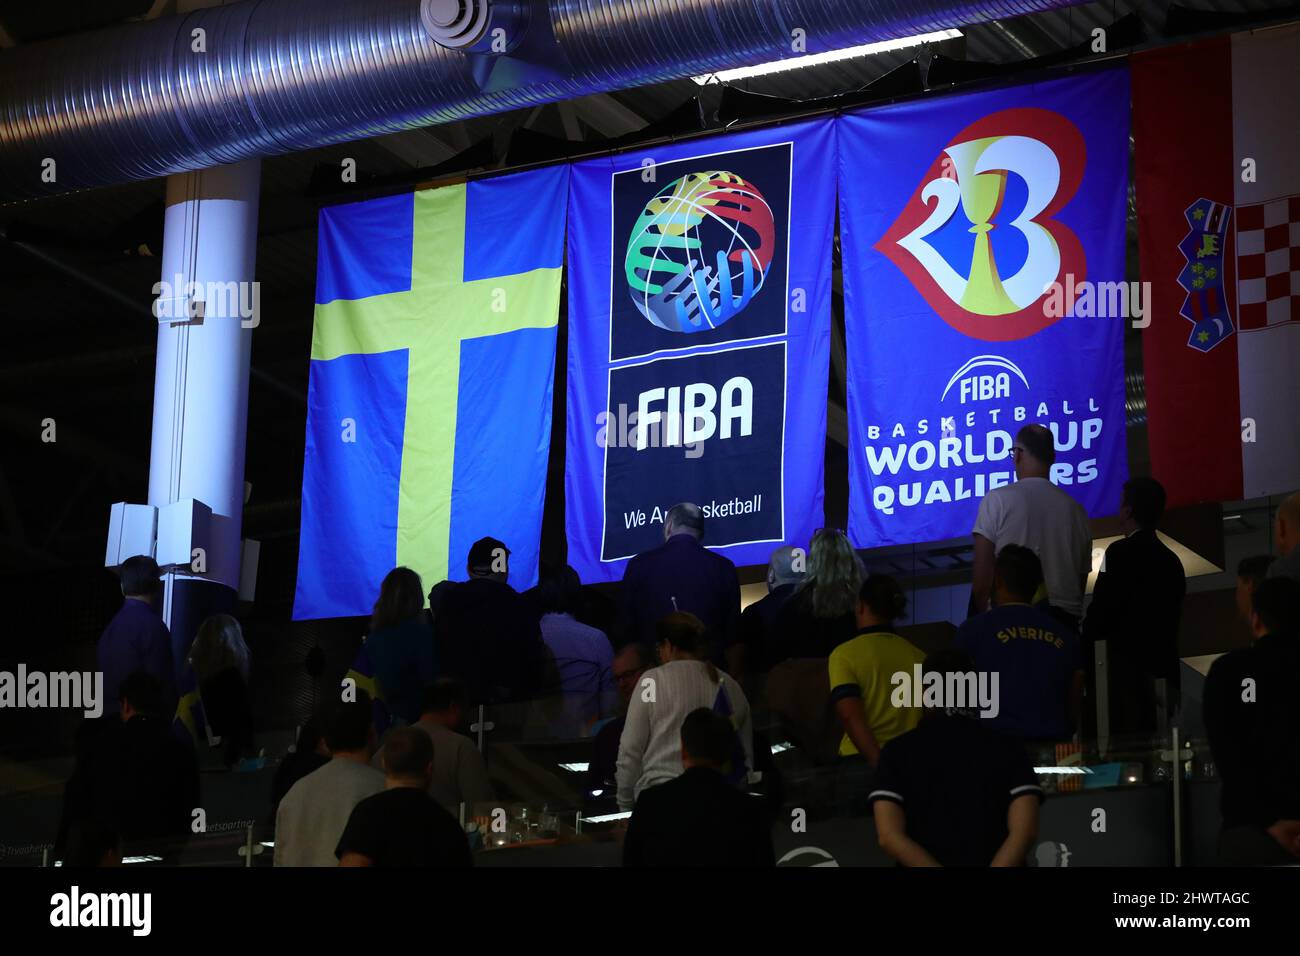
(552, 771)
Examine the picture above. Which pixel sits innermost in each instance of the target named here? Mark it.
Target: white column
(200, 409)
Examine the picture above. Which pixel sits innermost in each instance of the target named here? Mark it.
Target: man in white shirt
(1035, 513)
(315, 811)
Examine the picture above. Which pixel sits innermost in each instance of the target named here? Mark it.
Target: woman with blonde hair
(821, 614)
(398, 654)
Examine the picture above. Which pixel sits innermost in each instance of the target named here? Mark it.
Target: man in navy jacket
(682, 575)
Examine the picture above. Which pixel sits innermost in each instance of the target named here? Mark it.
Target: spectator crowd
(662, 684)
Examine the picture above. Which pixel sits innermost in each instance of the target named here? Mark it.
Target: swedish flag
(429, 404)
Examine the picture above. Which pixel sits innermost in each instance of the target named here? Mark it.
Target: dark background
(76, 277)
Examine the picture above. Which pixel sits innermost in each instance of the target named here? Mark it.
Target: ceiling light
(1067, 770)
(608, 817)
(831, 56)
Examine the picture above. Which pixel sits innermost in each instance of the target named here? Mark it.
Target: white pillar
(200, 410)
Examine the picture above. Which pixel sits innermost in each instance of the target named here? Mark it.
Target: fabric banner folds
(699, 322)
(429, 404)
(983, 248)
(1218, 192)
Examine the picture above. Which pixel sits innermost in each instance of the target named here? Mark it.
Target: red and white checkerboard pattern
(1268, 263)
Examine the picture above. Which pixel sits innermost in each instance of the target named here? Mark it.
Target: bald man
(1287, 533)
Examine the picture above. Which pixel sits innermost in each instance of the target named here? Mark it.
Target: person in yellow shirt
(861, 670)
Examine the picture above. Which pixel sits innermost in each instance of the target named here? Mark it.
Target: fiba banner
(699, 322)
(429, 404)
(983, 245)
(1218, 192)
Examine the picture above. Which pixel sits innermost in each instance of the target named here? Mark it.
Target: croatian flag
(1218, 192)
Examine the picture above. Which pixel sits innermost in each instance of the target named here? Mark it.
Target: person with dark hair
(861, 667)
(582, 654)
(403, 826)
(1252, 720)
(486, 632)
(221, 660)
(649, 751)
(682, 575)
(629, 664)
(1037, 658)
(459, 773)
(308, 754)
(699, 819)
(1251, 573)
(1035, 513)
(1137, 603)
(399, 651)
(137, 638)
(136, 783)
(954, 791)
(314, 812)
(821, 614)
(1286, 530)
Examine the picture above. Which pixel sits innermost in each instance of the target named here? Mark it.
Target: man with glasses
(628, 666)
(1035, 513)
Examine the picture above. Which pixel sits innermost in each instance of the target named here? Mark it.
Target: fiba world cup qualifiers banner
(983, 248)
(429, 404)
(699, 322)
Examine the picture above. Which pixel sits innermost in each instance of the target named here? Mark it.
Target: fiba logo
(978, 239)
(699, 251)
(983, 378)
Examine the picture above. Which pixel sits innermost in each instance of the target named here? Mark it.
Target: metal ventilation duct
(271, 76)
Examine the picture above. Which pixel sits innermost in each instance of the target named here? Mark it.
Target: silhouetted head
(1034, 452)
(140, 578)
(684, 518)
(401, 597)
(489, 558)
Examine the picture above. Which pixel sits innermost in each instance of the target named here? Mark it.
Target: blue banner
(983, 248)
(429, 403)
(699, 321)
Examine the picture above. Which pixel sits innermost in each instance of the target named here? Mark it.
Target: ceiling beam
(417, 148)
(569, 117)
(607, 115)
(161, 8)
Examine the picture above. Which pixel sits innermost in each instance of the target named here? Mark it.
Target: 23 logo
(970, 175)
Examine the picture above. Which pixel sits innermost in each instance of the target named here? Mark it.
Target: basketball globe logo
(978, 239)
(699, 251)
